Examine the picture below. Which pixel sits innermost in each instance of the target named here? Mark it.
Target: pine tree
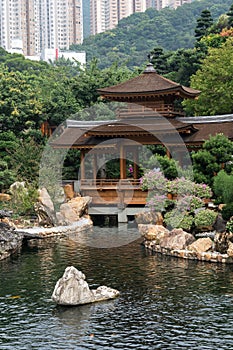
(203, 24)
(230, 17)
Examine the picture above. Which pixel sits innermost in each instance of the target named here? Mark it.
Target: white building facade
(35, 25)
(105, 14)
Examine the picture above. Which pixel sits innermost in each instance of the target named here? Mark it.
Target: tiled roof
(148, 83)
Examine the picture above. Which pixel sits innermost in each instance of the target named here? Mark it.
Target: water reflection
(106, 237)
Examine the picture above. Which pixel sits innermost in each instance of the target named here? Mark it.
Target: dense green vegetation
(138, 34)
(34, 92)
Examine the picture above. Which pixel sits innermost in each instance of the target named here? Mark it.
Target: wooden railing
(110, 182)
(141, 111)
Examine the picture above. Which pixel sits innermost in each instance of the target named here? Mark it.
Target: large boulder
(176, 239)
(152, 232)
(74, 209)
(44, 209)
(10, 240)
(45, 199)
(201, 245)
(72, 289)
(220, 224)
(149, 217)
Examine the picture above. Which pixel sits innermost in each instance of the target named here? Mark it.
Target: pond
(165, 303)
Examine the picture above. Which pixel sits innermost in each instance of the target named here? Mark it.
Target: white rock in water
(72, 289)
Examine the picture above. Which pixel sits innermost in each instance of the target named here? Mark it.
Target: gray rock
(72, 289)
(10, 241)
(5, 213)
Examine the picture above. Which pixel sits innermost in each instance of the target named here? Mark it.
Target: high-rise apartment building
(34, 25)
(159, 4)
(105, 14)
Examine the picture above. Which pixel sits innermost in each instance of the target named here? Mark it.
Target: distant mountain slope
(137, 35)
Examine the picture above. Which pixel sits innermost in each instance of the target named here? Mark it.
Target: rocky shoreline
(215, 257)
(216, 248)
(11, 239)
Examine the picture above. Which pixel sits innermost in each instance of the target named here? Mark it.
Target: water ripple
(165, 303)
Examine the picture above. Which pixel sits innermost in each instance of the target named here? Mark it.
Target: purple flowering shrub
(189, 198)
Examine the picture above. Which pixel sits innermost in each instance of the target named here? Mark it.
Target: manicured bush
(223, 187)
(229, 226)
(227, 211)
(176, 219)
(205, 218)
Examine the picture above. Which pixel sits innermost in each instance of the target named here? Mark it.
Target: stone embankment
(216, 247)
(45, 232)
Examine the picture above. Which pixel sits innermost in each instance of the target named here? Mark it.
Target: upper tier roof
(148, 83)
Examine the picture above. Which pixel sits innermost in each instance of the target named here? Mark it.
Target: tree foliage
(203, 24)
(216, 152)
(214, 79)
(137, 35)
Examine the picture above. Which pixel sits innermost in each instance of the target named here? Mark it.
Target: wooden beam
(122, 162)
(82, 165)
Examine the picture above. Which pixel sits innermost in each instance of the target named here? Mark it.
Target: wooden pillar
(82, 165)
(94, 166)
(168, 154)
(122, 162)
(135, 163)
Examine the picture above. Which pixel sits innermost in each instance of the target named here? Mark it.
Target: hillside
(137, 35)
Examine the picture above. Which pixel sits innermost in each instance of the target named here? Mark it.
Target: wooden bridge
(120, 192)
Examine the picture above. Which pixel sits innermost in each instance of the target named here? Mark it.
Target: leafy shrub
(202, 190)
(156, 202)
(154, 180)
(223, 187)
(227, 211)
(168, 166)
(176, 219)
(189, 203)
(23, 199)
(229, 225)
(205, 218)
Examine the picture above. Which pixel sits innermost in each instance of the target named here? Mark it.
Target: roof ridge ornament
(150, 67)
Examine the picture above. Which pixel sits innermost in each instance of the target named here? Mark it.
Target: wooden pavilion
(148, 117)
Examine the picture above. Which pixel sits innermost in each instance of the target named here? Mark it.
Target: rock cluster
(10, 240)
(72, 289)
(69, 212)
(179, 243)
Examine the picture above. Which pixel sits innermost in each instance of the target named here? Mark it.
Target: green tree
(57, 96)
(159, 59)
(204, 22)
(85, 85)
(215, 153)
(20, 104)
(230, 17)
(214, 81)
(25, 161)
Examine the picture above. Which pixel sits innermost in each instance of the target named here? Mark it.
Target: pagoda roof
(209, 126)
(89, 134)
(148, 83)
